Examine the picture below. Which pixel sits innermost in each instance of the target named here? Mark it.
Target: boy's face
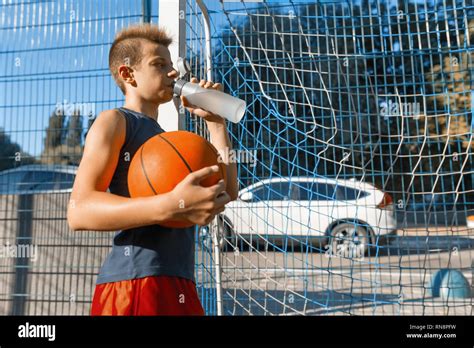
(154, 75)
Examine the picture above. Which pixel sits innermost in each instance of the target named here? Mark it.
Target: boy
(150, 270)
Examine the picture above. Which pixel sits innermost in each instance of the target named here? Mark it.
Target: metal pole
(172, 16)
(207, 32)
(146, 11)
(214, 231)
(24, 237)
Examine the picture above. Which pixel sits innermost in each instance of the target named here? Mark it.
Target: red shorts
(155, 295)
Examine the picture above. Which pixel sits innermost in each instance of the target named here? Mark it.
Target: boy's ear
(126, 73)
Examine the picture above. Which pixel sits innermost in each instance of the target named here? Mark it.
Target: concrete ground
(394, 279)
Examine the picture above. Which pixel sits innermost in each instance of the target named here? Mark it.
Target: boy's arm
(219, 136)
(220, 140)
(90, 206)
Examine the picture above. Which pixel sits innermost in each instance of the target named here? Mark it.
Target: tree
(319, 80)
(450, 121)
(452, 93)
(11, 155)
(63, 142)
(74, 133)
(55, 130)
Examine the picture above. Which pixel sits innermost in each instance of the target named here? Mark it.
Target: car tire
(348, 240)
(224, 234)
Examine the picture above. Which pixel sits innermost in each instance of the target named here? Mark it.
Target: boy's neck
(148, 109)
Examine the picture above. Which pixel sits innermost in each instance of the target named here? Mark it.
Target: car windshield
(275, 191)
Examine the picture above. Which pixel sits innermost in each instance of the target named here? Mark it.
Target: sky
(55, 53)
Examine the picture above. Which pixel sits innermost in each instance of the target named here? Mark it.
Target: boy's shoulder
(110, 113)
(109, 125)
(110, 117)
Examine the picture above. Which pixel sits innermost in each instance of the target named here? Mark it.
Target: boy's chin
(162, 98)
(166, 97)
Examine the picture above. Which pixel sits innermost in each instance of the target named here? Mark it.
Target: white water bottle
(220, 103)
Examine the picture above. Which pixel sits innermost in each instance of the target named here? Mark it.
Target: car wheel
(224, 234)
(348, 240)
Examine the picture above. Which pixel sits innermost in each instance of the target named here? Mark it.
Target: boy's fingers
(222, 199)
(201, 174)
(207, 84)
(220, 210)
(190, 107)
(218, 188)
(218, 86)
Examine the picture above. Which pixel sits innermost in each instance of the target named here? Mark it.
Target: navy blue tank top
(148, 250)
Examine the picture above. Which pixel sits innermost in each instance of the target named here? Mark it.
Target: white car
(343, 216)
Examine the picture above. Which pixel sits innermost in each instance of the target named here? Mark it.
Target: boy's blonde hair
(127, 47)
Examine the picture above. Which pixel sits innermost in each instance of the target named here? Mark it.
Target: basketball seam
(144, 170)
(176, 150)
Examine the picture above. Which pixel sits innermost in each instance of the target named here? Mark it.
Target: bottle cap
(183, 67)
(178, 86)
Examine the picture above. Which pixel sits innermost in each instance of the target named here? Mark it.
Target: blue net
(354, 156)
(356, 150)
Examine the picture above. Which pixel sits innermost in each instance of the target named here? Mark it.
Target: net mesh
(356, 148)
(359, 124)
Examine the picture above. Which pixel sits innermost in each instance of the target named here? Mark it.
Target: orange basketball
(164, 160)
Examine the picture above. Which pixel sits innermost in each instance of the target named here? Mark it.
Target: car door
(266, 215)
(322, 207)
(277, 223)
(257, 216)
(247, 215)
(299, 224)
(347, 205)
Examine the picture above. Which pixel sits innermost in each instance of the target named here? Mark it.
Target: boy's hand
(208, 116)
(198, 204)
